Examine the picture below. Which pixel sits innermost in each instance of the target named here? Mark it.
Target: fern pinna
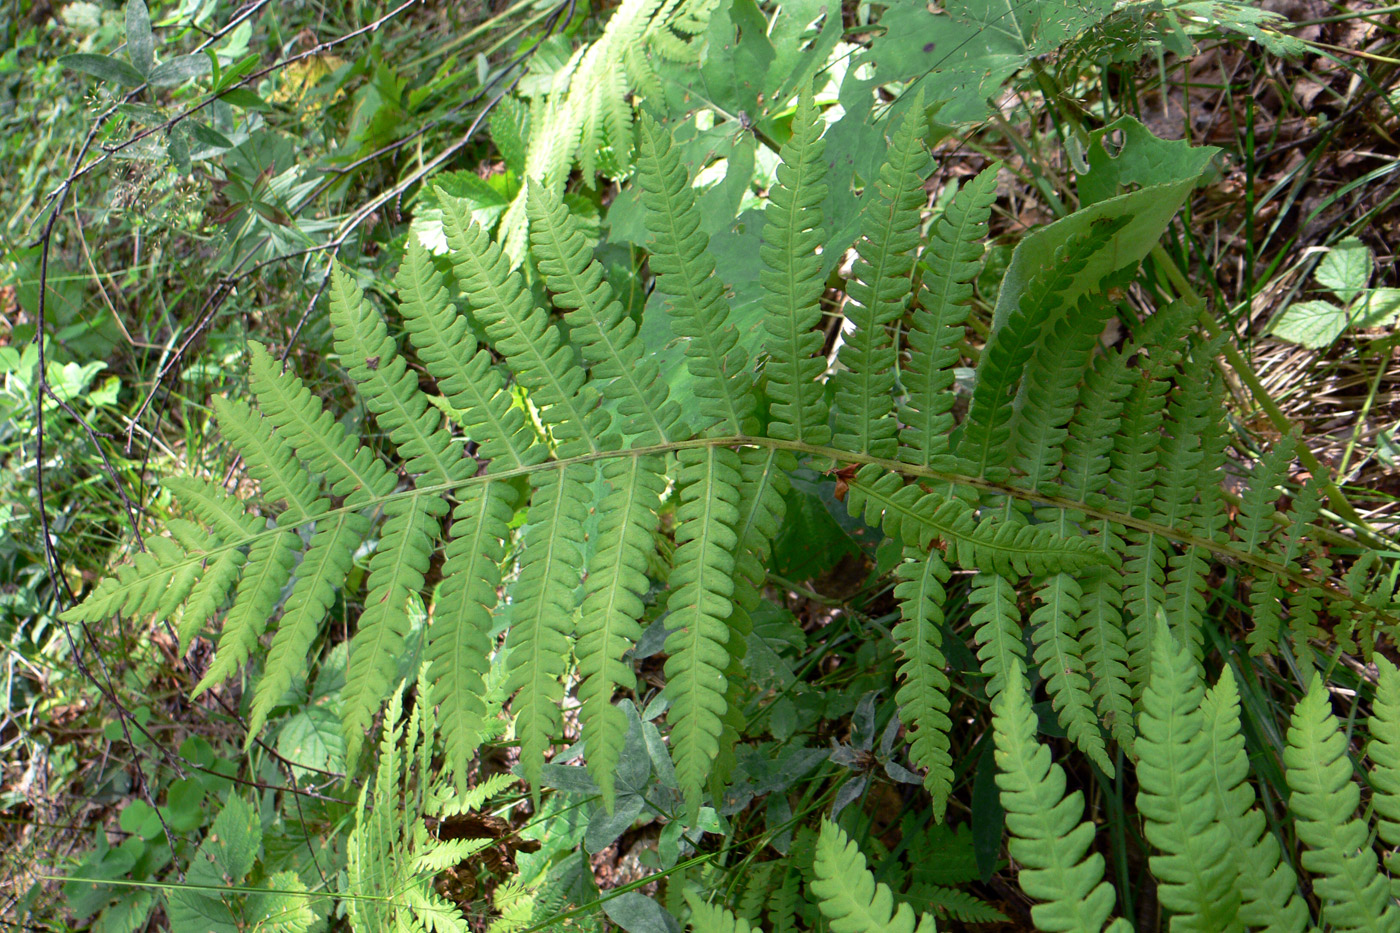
(542, 462)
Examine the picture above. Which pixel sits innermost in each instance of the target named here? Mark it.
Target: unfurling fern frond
(702, 585)
(685, 274)
(951, 261)
(1047, 840)
(877, 292)
(1346, 876)
(1194, 869)
(848, 895)
(792, 283)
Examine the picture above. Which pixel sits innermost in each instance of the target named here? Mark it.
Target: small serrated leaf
(1345, 269)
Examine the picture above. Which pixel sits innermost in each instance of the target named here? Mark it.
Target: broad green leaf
(104, 67)
(637, 913)
(1126, 153)
(1313, 324)
(311, 738)
(140, 46)
(177, 71)
(1379, 307)
(1345, 269)
(1148, 211)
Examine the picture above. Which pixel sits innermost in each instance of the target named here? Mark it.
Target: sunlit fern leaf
(1056, 866)
(605, 334)
(390, 388)
(161, 575)
(319, 440)
(952, 258)
(848, 895)
(271, 462)
(685, 274)
(985, 435)
(1056, 623)
(411, 527)
(268, 568)
(1267, 884)
(542, 362)
(712, 918)
(612, 604)
(322, 570)
(544, 599)
(232, 525)
(459, 643)
(997, 628)
(908, 514)
(702, 585)
(792, 283)
(1384, 752)
(464, 372)
(923, 695)
(1346, 876)
(1194, 868)
(878, 292)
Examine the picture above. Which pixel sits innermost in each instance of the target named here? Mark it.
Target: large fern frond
(1345, 872)
(542, 362)
(544, 597)
(792, 283)
(606, 335)
(878, 291)
(1057, 867)
(685, 274)
(612, 604)
(702, 585)
(951, 261)
(1194, 870)
(848, 895)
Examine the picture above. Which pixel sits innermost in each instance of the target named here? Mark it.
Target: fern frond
(606, 335)
(411, 526)
(792, 283)
(389, 388)
(712, 918)
(1057, 867)
(986, 434)
(1055, 633)
(878, 290)
(1194, 870)
(685, 274)
(612, 604)
(269, 567)
(702, 584)
(908, 514)
(224, 514)
(1254, 523)
(154, 583)
(1384, 752)
(848, 894)
(544, 597)
(997, 621)
(955, 903)
(270, 461)
(542, 362)
(951, 261)
(464, 372)
(459, 640)
(1056, 369)
(319, 440)
(1267, 884)
(923, 696)
(320, 574)
(208, 593)
(1346, 876)
(1105, 647)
